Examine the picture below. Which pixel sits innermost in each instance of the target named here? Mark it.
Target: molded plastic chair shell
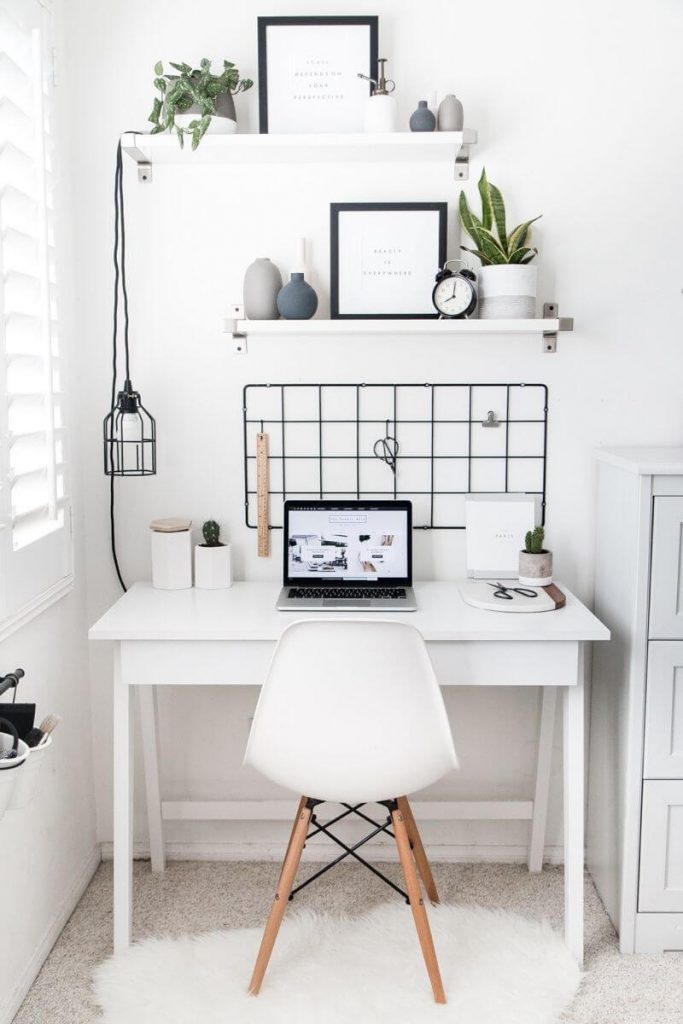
(351, 711)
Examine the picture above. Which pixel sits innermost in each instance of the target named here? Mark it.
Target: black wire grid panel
(450, 440)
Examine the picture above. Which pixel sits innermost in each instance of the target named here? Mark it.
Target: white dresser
(635, 788)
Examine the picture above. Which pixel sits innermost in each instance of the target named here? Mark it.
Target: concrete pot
(535, 570)
(262, 284)
(212, 567)
(223, 122)
(507, 291)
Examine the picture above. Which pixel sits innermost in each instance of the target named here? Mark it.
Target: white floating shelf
(399, 147)
(548, 328)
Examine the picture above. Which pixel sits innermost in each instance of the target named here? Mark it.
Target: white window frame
(37, 574)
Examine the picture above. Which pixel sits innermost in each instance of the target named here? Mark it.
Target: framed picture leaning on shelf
(384, 258)
(308, 73)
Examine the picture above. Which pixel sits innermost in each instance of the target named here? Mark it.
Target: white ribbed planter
(507, 291)
(212, 567)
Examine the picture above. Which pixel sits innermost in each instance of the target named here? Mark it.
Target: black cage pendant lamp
(130, 442)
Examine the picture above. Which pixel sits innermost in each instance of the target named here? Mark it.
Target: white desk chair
(351, 712)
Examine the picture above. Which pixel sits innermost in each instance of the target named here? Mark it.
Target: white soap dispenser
(380, 112)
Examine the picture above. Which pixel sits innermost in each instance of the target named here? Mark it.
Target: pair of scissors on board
(386, 449)
(505, 593)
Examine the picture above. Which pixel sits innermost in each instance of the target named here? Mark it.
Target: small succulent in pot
(212, 560)
(535, 562)
(211, 532)
(195, 101)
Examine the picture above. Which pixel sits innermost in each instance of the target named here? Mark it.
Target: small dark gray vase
(422, 119)
(297, 300)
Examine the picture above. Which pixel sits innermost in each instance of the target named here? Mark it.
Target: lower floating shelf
(548, 327)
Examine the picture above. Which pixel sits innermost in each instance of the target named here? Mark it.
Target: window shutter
(35, 544)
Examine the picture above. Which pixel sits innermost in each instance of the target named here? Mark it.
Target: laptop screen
(348, 542)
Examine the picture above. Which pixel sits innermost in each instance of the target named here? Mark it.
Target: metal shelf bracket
(551, 311)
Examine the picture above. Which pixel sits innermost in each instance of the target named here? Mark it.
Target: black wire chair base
(351, 851)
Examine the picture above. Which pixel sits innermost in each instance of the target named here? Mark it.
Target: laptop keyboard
(350, 593)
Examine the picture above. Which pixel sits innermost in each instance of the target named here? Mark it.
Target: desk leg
(149, 722)
(543, 764)
(123, 808)
(573, 722)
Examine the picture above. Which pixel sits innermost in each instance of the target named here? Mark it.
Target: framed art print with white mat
(383, 258)
(308, 73)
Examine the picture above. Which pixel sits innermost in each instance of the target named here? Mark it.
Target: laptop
(347, 556)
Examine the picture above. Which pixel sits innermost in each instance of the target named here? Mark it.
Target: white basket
(10, 771)
(27, 783)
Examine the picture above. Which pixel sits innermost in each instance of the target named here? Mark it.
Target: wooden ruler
(262, 495)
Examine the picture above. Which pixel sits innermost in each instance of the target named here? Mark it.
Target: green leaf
(181, 140)
(485, 261)
(486, 206)
(470, 223)
(518, 255)
(161, 84)
(158, 68)
(489, 238)
(490, 247)
(519, 236)
(498, 205)
(528, 259)
(205, 64)
(156, 111)
(158, 128)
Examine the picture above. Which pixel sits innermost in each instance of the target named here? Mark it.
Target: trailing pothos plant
(495, 246)
(192, 87)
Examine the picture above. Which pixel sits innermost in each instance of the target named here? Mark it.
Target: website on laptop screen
(354, 544)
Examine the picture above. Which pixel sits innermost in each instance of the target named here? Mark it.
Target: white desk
(226, 637)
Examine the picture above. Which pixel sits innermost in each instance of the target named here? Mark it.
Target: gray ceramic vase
(262, 282)
(422, 119)
(297, 300)
(450, 116)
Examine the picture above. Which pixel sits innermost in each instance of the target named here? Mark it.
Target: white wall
(49, 850)
(578, 108)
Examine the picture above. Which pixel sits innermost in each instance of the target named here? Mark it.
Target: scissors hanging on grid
(386, 449)
(506, 593)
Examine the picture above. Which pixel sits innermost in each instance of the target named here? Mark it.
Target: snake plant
(192, 87)
(495, 246)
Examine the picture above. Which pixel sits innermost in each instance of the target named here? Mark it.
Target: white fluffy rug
(497, 968)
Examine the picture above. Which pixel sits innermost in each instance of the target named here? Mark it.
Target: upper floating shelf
(397, 147)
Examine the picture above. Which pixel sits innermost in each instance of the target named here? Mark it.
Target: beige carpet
(197, 897)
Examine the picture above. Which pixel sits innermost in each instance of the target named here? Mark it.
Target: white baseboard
(445, 854)
(13, 1000)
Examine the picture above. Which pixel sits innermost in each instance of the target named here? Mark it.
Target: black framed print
(308, 73)
(384, 258)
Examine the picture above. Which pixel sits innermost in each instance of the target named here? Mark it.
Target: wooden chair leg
(284, 888)
(302, 804)
(418, 850)
(417, 906)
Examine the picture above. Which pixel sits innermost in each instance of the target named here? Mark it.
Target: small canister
(171, 553)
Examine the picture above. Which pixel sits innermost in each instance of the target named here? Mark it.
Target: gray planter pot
(223, 122)
(536, 570)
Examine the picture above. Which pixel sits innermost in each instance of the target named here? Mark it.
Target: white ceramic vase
(28, 778)
(507, 291)
(172, 560)
(212, 567)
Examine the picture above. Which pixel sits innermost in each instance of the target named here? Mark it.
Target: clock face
(453, 296)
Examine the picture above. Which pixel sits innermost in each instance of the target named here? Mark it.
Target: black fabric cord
(119, 279)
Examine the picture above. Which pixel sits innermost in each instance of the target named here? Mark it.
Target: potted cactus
(507, 284)
(535, 562)
(212, 560)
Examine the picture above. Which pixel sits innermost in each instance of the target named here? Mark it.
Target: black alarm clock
(455, 292)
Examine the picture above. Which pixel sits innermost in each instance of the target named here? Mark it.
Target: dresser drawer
(664, 710)
(661, 848)
(666, 585)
